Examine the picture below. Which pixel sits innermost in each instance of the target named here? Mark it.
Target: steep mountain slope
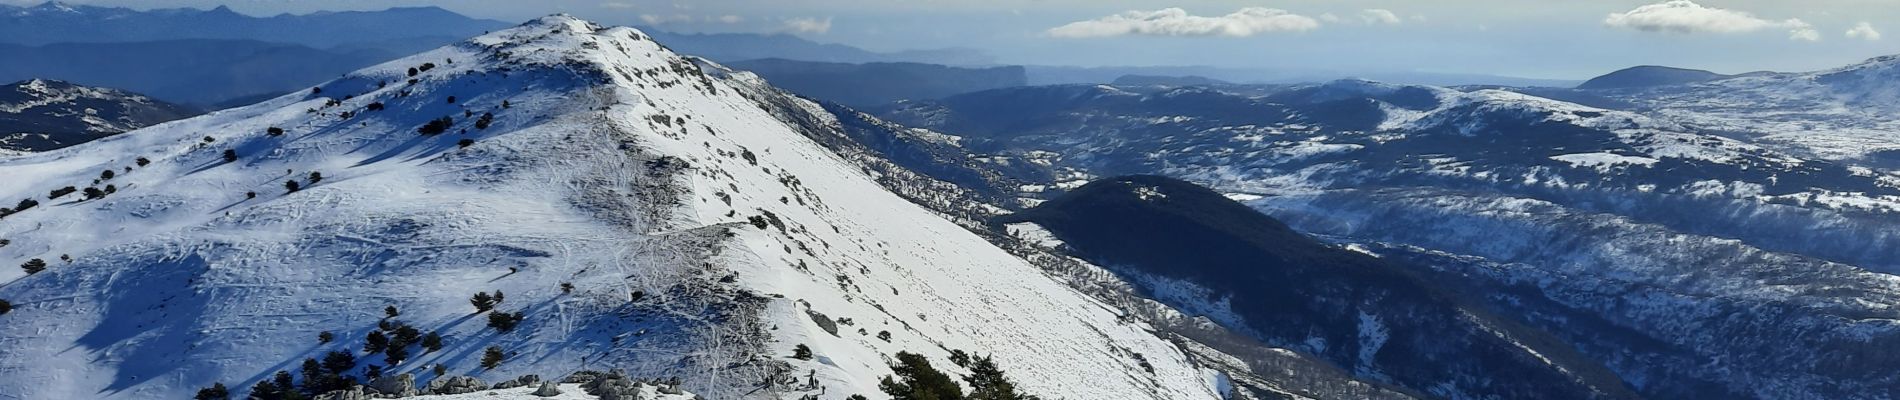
(1192, 247)
(1693, 264)
(40, 115)
(703, 235)
(1649, 76)
(57, 22)
(873, 84)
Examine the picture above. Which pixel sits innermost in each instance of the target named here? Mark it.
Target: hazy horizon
(1571, 41)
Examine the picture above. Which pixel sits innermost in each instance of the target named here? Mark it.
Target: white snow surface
(568, 392)
(615, 167)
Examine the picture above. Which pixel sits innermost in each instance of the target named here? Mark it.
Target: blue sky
(1569, 39)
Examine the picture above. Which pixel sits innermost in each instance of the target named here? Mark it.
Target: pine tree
(274, 131)
(107, 175)
(265, 390)
(292, 186)
(325, 337)
(215, 392)
(142, 161)
(491, 357)
(483, 302)
(317, 380)
(432, 342)
(315, 177)
(230, 155)
(505, 322)
(960, 358)
(34, 266)
(375, 342)
(391, 311)
(801, 352)
(917, 380)
(286, 386)
(988, 383)
(339, 362)
(5, 307)
(396, 354)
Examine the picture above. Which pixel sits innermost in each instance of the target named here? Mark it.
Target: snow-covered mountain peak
(639, 213)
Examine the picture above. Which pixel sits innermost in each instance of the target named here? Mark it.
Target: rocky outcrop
(399, 385)
(353, 393)
(456, 384)
(522, 381)
(548, 389)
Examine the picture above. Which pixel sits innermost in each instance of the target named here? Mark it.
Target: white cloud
(1379, 16)
(1685, 16)
(1177, 22)
(1864, 31)
(617, 4)
(808, 25)
(657, 19)
(1329, 17)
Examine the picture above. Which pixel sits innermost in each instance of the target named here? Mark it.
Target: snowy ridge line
(695, 229)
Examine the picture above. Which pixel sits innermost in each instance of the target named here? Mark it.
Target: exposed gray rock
(399, 385)
(523, 381)
(456, 384)
(353, 393)
(613, 386)
(583, 376)
(548, 389)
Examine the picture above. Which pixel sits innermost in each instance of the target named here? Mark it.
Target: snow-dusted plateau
(581, 204)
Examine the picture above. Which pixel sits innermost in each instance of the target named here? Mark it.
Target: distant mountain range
(1056, 75)
(1719, 239)
(732, 47)
(204, 72)
(874, 84)
(41, 115)
(58, 22)
(1154, 80)
(1647, 76)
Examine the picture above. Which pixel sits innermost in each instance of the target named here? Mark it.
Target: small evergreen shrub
(801, 352)
(215, 392)
(34, 266)
(436, 126)
(506, 322)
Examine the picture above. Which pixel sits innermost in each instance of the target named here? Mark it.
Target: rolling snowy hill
(642, 210)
